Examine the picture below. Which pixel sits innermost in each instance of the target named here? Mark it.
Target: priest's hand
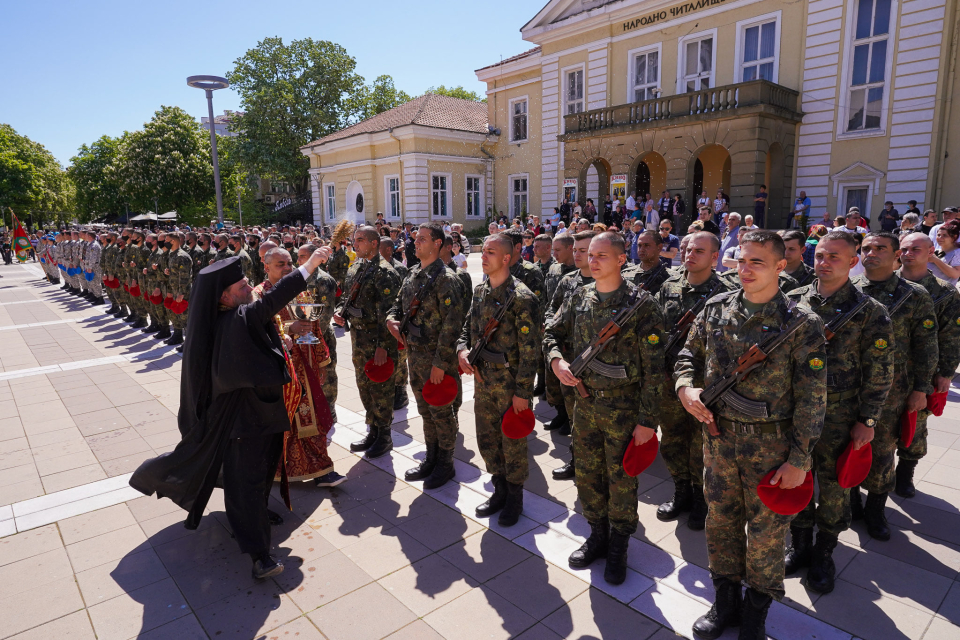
(380, 356)
(318, 257)
(287, 342)
(297, 327)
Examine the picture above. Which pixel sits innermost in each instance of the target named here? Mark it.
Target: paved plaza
(84, 400)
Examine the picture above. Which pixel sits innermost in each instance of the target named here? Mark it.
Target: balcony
(733, 100)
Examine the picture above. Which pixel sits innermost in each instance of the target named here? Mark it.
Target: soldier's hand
(394, 328)
(380, 356)
(179, 298)
(941, 384)
(861, 434)
(916, 401)
(788, 476)
(466, 367)
(690, 399)
(338, 320)
(166, 271)
(561, 369)
(436, 375)
(642, 434)
(520, 404)
(156, 291)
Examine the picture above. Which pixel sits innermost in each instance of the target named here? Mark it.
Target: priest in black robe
(232, 414)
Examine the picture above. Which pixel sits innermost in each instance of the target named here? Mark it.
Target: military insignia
(816, 364)
(958, 321)
(653, 338)
(523, 330)
(386, 291)
(880, 344)
(323, 298)
(928, 324)
(446, 301)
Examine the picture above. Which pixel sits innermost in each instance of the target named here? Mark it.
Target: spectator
(590, 211)
(721, 205)
(730, 238)
(679, 208)
(948, 214)
(561, 229)
(565, 209)
(912, 208)
(945, 261)
(493, 228)
(852, 223)
(801, 211)
(631, 202)
(908, 224)
(526, 250)
(731, 256)
(839, 221)
(599, 227)
(857, 268)
(760, 205)
(607, 210)
(577, 210)
(706, 222)
(583, 225)
(631, 238)
(748, 222)
(817, 232)
(458, 258)
(929, 221)
(671, 243)
(704, 200)
(888, 217)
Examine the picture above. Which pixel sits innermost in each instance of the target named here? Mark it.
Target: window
(393, 196)
(518, 202)
(869, 65)
(518, 120)
(856, 197)
(331, 202)
(278, 187)
(646, 75)
(440, 196)
(759, 52)
(698, 65)
(474, 204)
(573, 91)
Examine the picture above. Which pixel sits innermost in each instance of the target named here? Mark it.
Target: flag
(21, 241)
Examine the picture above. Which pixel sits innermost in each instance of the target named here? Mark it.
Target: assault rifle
(355, 291)
(653, 276)
(835, 325)
(679, 334)
(586, 359)
(480, 347)
(417, 299)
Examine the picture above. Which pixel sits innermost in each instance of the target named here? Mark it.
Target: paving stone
(345, 618)
(135, 612)
(480, 613)
(427, 584)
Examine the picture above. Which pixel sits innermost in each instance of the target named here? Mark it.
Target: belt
(616, 392)
(839, 396)
(762, 428)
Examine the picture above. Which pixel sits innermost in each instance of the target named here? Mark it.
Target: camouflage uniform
(337, 266)
(139, 255)
(860, 372)
(947, 307)
(324, 290)
(745, 539)
(915, 354)
(199, 258)
(516, 339)
(804, 274)
(466, 297)
(258, 272)
(91, 264)
(529, 274)
(731, 280)
(431, 342)
(223, 254)
(249, 269)
(551, 281)
(605, 421)
(639, 276)
(155, 279)
(403, 375)
(566, 288)
(178, 283)
(368, 324)
(108, 264)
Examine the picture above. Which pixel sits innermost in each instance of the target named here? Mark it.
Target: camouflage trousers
(493, 397)
(402, 376)
(553, 388)
(96, 285)
(178, 320)
(830, 509)
(75, 281)
(745, 539)
(439, 423)
(886, 434)
(918, 448)
(331, 384)
(113, 294)
(157, 311)
(604, 427)
(681, 442)
(143, 304)
(377, 397)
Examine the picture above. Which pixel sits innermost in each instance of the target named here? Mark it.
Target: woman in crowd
(945, 263)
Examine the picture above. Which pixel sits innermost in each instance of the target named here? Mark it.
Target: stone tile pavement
(84, 401)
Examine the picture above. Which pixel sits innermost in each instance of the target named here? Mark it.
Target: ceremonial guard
(532, 277)
(179, 272)
(652, 271)
(323, 290)
(400, 397)
(108, 262)
(139, 256)
(794, 242)
(156, 283)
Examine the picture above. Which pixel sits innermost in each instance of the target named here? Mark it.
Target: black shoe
(753, 619)
(800, 553)
(330, 479)
(566, 472)
(823, 572)
(559, 421)
(153, 327)
(175, 338)
(425, 468)
(874, 514)
(856, 503)
(616, 570)
(496, 501)
(594, 547)
(905, 488)
(140, 323)
(725, 611)
(443, 471)
(511, 511)
(565, 430)
(274, 518)
(113, 309)
(132, 317)
(99, 301)
(698, 512)
(367, 442)
(266, 566)
(124, 312)
(539, 389)
(682, 501)
(180, 348)
(400, 398)
(164, 333)
(382, 445)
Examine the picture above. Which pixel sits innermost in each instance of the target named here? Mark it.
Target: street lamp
(210, 84)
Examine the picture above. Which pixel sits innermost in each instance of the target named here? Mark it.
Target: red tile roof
(529, 52)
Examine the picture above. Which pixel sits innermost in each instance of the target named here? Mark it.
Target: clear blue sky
(74, 71)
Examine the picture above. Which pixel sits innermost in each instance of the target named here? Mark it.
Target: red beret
(135, 291)
(518, 425)
(167, 302)
(440, 395)
(908, 428)
(381, 373)
(936, 402)
(853, 466)
(786, 502)
(636, 459)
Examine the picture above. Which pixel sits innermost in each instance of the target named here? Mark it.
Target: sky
(74, 71)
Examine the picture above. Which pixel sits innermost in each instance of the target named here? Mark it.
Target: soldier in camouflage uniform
(253, 251)
(504, 374)
(400, 397)
(155, 283)
(915, 250)
(121, 273)
(379, 285)
(465, 283)
(222, 243)
(91, 265)
(206, 240)
(179, 273)
(324, 290)
(338, 265)
(622, 402)
(139, 255)
(561, 265)
(915, 353)
(235, 243)
(530, 275)
(860, 372)
(745, 538)
(681, 441)
(647, 273)
(732, 281)
(108, 262)
(543, 254)
(430, 339)
(794, 241)
(74, 257)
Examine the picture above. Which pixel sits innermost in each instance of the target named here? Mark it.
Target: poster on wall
(618, 187)
(570, 189)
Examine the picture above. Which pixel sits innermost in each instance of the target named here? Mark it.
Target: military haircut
(655, 235)
(793, 234)
(767, 238)
(514, 235)
(894, 240)
(566, 240)
(368, 233)
(842, 236)
(585, 235)
(615, 240)
(276, 252)
(501, 240)
(308, 247)
(447, 241)
(435, 228)
(714, 240)
(543, 237)
(237, 237)
(383, 241)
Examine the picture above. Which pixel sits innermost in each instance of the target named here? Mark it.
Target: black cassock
(232, 414)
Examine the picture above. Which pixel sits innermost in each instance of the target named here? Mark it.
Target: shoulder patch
(816, 364)
(928, 324)
(446, 301)
(957, 321)
(653, 339)
(386, 291)
(524, 329)
(880, 344)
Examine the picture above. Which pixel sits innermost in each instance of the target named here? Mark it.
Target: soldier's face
(915, 250)
(562, 252)
(793, 252)
(494, 257)
(833, 260)
(580, 249)
(303, 255)
(425, 246)
(647, 249)
(542, 250)
(878, 254)
(699, 255)
(759, 267)
(603, 259)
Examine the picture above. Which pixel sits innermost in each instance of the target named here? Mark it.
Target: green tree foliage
(457, 92)
(291, 95)
(31, 179)
(98, 187)
(378, 97)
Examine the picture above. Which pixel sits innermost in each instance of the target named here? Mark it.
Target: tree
(291, 95)
(31, 179)
(99, 191)
(456, 92)
(378, 97)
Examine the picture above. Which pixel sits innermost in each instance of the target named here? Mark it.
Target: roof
(519, 56)
(429, 110)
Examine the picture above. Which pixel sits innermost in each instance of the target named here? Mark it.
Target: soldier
(338, 265)
(649, 244)
(120, 273)
(504, 373)
(91, 265)
(622, 401)
(179, 272)
(156, 286)
(530, 275)
(561, 265)
(235, 243)
(681, 442)
(915, 251)
(74, 255)
(324, 290)
(108, 263)
(378, 284)
(207, 244)
(139, 256)
(430, 340)
(860, 365)
(253, 251)
(222, 243)
(400, 397)
(466, 298)
(543, 252)
(745, 538)
(794, 241)
(914, 351)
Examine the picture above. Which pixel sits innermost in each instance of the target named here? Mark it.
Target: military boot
(175, 338)
(753, 620)
(98, 301)
(905, 486)
(874, 514)
(164, 332)
(113, 308)
(139, 323)
(443, 471)
(513, 506)
(594, 547)
(856, 503)
(682, 501)
(367, 442)
(567, 471)
(559, 421)
(616, 570)
(153, 327)
(823, 572)
(425, 468)
(698, 512)
(799, 553)
(496, 501)
(725, 611)
(400, 398)
(540, 387)
(383, 443)
(125, 312)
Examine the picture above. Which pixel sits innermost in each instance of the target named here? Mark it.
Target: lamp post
(210, 84)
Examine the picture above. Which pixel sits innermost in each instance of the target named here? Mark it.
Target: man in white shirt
(631, 202)
(748, 223)
(852, 222)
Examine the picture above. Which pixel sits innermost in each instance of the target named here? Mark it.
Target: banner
(21, 241)
(570, 189)
(618, 187)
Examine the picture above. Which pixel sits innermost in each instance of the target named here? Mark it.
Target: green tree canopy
(31, 179)
(97, 184)
(457, 92)
(378, 97)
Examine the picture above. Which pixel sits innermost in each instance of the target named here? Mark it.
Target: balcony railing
(706, 101)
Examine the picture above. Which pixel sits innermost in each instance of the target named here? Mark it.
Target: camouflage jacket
(439, 319)
(91, 256)
(140, 256)
(946, 300)
(637, 348)
(804, 275)
(156, 263)
(517, 338)
(109, 259)
(338, 265)
(792, 381)
(223, 254)
(861, 355)
(529, 275)
(376, 296)
(399, 267)
(545, 266)
(180, 279)
(567, 286)
(914, 329)
(248, 267)
(212, 254)
(676, 296)
(466, 286)
(197, 258)
(551, 281)
(258, 272)
(324, 290)
(639, 276)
